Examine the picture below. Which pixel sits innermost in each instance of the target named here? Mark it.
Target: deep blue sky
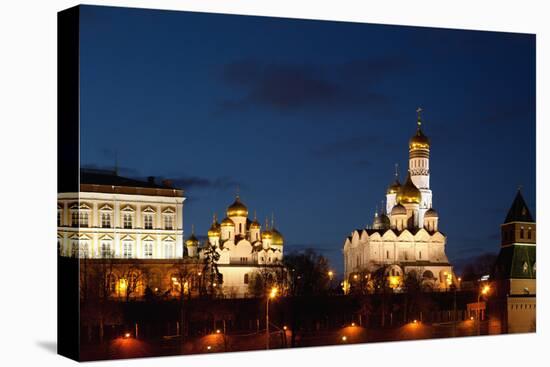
(309, 117)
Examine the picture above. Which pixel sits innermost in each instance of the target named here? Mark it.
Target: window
(83, 219)
(529, 233)
(59, 218)
(74, 219)
(83, 250)
(246, 279)
(148, 221)
(240, 228)
(420, 255)
(169, 250)
(406, 255)
(148, 249)
(168, 222)
(127, 221)
(525, 267)
(106, 249)
(521, 232)
(105, 220)
(127, 250)
(74, 248)
(387, 254)
(243, 260)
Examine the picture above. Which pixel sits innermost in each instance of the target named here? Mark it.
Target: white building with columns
(113, 216)
(405, 237)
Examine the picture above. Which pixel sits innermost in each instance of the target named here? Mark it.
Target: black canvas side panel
(68, 173)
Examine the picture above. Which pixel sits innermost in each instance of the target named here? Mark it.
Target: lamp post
(271, 295)
(330, 276)
(483, 291)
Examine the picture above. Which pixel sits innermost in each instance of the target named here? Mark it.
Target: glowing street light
(482, 292)
(209, 347)
(127, 335)
(218, 331)
(272, 295)
(344, 338)
(353, 324)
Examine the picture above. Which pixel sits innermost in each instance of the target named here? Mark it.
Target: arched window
(521, 233)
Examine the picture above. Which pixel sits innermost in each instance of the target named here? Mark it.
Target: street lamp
(482, 292)
(271, 295)
(330, 276)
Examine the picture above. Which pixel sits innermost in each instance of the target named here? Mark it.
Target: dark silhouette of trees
(210, 271)
(479, 266)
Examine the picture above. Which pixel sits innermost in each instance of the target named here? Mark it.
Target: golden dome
(398, 210)
(394, 187)
(192, 241)
(226, 222)
(255, 225)
(419, 140)
(430, 213)
(267, 235)
(237, 209)
(277, 238)
(214, 230)
(408, 193)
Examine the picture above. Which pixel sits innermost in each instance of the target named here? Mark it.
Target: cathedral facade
(404, 238)
(245, 248)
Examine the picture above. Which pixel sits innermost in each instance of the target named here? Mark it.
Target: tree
(308, 273)
(210, 268)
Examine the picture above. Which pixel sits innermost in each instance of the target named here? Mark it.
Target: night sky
(307, 118)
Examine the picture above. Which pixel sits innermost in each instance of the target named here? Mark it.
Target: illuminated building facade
(117, 217)
(404, 238)
(245, 248)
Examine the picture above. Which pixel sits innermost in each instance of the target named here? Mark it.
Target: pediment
(128, 208)
(168, 210)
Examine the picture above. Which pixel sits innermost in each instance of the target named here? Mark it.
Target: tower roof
(519, 212)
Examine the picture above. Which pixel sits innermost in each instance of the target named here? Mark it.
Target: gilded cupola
(409, 193)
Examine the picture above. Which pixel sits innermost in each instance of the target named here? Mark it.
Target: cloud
(292, 87)
(197, 182)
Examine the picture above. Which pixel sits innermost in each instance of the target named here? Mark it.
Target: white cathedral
(404, 238)
(244, 248)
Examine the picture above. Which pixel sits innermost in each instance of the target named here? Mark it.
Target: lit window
(148, 249)
(105, 249)
(74, 219)
(525, 267)
(148, 221)
(83, 219)
(105, 220)
(127, 221)
(127, 250)
(168, 222)
(168, 250)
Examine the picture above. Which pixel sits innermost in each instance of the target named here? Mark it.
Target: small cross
(418, 111)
